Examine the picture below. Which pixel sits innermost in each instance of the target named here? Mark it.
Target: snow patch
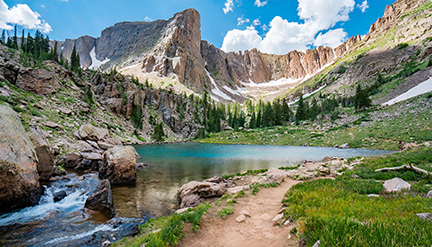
(236, 92)
(308, 94)
(421, 88)
(95, 62)
(216, 91)
(273, 83)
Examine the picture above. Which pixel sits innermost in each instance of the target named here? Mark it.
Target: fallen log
(408, 167)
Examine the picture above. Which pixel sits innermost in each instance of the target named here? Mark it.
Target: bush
(402, 46)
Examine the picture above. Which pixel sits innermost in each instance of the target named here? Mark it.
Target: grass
(339, 213)
(256, 187)
(224, 212)
(165, 231)
(248, 172)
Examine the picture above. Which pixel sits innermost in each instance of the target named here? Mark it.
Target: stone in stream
(119, 165)
(59, 195)
(101, 200)
(19, 186)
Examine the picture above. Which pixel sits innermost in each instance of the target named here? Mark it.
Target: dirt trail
(257, 230)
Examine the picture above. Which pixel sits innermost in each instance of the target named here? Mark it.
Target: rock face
(101, 200)
(396, 184)
(119, 165)
(19, 177)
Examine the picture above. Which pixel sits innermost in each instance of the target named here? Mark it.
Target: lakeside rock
(119, 165)
(19, 176)
(101, 200)
(396, 185)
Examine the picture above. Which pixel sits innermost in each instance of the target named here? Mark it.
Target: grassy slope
(339, 212)
(378, 134)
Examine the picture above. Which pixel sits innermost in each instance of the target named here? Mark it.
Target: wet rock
(58, 196)
(344, 146)
(92, 133)
(396, 184)
(19, 186)
(71, 160)
(142, 165)
(119, 165)
(106, 243)
(101, 200)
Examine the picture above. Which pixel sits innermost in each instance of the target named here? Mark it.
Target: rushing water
(172, 165)
(64, 223)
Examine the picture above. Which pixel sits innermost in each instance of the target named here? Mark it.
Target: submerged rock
(101, 200)
(19, 178)
(119, 165)
(58, 196)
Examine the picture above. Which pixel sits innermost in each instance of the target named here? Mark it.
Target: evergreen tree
(302, 111)
(314, 110)
(3, 37)
(258, 122)
(158, 133)
(361, 98)
(15, 39)
(277, 112)
(268, 116)
(252, 122)
(285, 112)
(74, 60)
(22, 41)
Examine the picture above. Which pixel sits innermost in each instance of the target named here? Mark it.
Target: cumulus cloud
(363, 6)
(332, 38)
(258, 3)
(237, 40)
(284, 36)
(228, 6)
(241, 21)
(148, 19)
(22, 15)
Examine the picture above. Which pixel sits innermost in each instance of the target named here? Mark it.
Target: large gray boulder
(119, 165)
(192, 193)
(45, 154)
(19, 178)
(396, 184)
(101, 200)
(92, 133)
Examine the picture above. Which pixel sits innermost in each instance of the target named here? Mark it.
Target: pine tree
(3, 37)
(15, 39)
(74, 60)
(361, 98)
(158, 133)
(277, 112)
(302, 111)
(252, 122)
(285, 112)
(268, 116)
(22, 41)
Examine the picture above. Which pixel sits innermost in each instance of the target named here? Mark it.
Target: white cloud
(148, 19)
(228, 6)
(256, 22)
(42, 6)
(241, 21)
(237, 40)
(363, 6)
(284, 36)
(332, 38)
(258, 3)
(22, 15)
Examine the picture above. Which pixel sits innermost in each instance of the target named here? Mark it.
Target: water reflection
(172, 165)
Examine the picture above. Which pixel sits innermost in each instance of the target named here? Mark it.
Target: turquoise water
(172, 165)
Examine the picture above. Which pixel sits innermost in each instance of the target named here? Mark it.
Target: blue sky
(282, 25)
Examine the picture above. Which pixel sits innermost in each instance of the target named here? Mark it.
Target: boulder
(200, 190)
(45, 154)
(190, 201)
(19, 186)
(53, 125)
(241, 218)
(119, 165)
(92, 133)
(59, 195)
(344, 146)
(104, 145)
(71, 160)
(396, 184)
(101, 200)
